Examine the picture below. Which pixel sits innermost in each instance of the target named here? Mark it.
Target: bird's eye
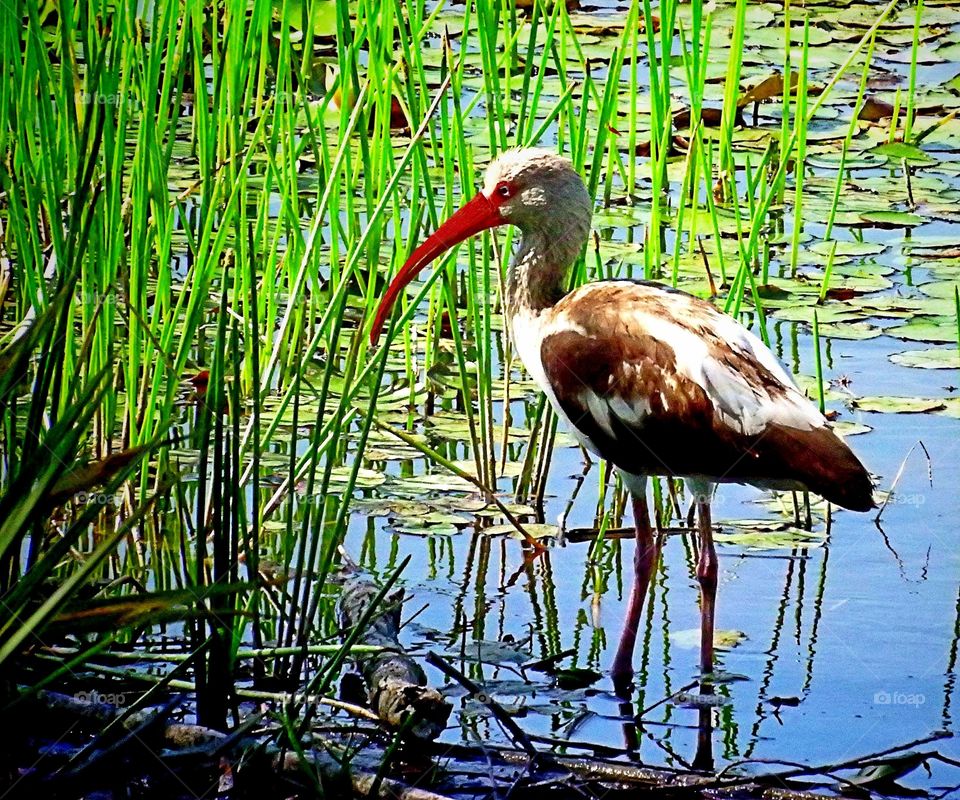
(504, 190)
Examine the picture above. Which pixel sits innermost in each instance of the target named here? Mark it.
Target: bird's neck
(537, 277)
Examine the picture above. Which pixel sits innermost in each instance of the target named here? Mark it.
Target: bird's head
(536, 190)
(531, 187)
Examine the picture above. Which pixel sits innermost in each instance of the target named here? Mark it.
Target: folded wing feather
(660, 382)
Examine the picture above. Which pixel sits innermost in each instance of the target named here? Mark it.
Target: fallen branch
(797, 771)
(396, 685)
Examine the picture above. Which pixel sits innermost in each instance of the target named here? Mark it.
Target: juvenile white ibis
(654, 380)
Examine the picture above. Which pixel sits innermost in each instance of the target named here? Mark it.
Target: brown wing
(729, 419)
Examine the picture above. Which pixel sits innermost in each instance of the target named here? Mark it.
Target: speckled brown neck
(537, 278)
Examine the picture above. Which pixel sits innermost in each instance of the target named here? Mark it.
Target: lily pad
(892, 219)
(849, 248)
(926, 329)
(768, 535)
(536, 529)
(850, 330)
(845, 429)
(494, 652)
(722, 640)
(897, 151)
(900, 405)
(932, 358)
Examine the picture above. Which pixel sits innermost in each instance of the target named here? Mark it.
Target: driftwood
(396, 684)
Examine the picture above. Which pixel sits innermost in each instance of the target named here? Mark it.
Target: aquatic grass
(526, 120)
(827, 272)
(818, 362)
(912, 86)
(706, 171)
(687, 193)
(731, 92)
(956, 308)
(786, 155)
(167, 340)
(780, 186)
(894, 117)
(845, 147)
(694, 55)
(800, 136)
(661, 120)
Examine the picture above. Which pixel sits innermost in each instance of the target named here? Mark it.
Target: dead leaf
(678, 145)
(842, 293)
(709, 116)
(874, 110)
(771, 87)
(86, 476)
(200, 381)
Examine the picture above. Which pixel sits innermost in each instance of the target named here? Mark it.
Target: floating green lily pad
(850, 330)
(537, 530)
(844, 428)
(849, 248)
(722, 640)
(932, 358)
(897, 151)
(926, 329)
(494, 652)
(892, 219)
(768, 535)
(900, 405)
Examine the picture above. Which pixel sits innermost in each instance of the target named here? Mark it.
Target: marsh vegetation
(200, 206)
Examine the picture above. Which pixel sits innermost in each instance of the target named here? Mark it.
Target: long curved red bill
(477, 215)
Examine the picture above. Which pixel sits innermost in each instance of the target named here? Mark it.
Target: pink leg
(703, 758)
(707, 578)
(645, 558)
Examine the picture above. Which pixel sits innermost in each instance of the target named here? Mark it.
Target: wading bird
(654, 380)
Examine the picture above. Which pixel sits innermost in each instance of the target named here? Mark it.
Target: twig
(666, 699)
(706, 266)
(577, 535)
(516, 732)
(896, 479)
(822, 769)
(546, 664)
